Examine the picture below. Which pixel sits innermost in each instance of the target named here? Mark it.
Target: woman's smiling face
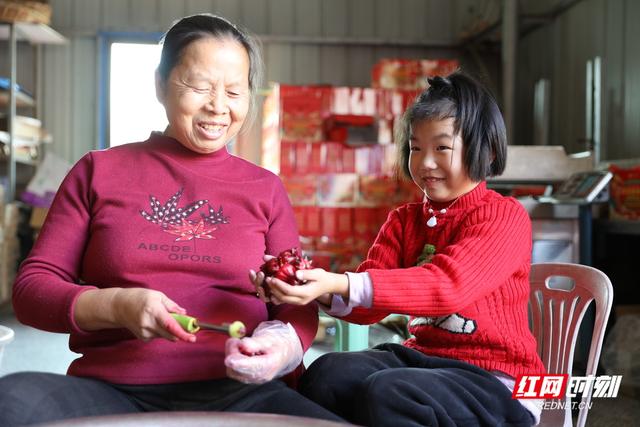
(206, 97)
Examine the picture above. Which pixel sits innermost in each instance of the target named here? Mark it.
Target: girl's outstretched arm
(320, 285)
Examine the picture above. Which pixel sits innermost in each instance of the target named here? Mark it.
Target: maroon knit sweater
(156, 215)
(470, 302)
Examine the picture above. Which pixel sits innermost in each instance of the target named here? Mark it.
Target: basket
(38, 12)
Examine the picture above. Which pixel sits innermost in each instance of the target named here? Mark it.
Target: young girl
(467, 301)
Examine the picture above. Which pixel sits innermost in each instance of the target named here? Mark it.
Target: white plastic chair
(557, 311)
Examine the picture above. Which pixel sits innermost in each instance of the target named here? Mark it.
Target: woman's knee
(20, 397)
(20, 386)
(33, 397)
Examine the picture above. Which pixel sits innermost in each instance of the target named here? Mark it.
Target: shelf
(21, 158)
(25, 160)
(18, 149)
(22, 99)
(22, 142)
(33, 33)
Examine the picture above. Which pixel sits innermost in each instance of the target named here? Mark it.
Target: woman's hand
(273, 350)
(257, 278)
(258, 282)
(147, 314)
(144, 312)
(320, 285)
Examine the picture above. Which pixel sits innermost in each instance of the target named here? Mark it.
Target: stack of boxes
(625, 193)
(332, 147)
(409, 74)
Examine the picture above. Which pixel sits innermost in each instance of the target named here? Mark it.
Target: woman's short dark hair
(195, 27)
(477, 119)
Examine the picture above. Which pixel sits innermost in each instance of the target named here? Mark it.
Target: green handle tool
(190, 324)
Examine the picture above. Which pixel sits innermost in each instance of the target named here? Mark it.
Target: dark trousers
(35, 397)
(392, 385)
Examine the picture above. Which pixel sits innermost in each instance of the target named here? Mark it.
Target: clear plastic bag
(6, 336)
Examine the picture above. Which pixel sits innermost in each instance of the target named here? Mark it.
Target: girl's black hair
(195, 27)
(477, 119)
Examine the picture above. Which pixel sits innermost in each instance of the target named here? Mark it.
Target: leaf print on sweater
(215, 217)
(169, 213)
(189, 231)
(175, 220)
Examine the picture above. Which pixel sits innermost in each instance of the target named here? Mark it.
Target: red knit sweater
(470, 302)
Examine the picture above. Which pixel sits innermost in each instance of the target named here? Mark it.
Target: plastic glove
(272, 351)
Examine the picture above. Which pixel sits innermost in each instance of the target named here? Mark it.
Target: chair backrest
(556, 314)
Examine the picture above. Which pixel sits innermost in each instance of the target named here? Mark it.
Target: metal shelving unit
(13, 32)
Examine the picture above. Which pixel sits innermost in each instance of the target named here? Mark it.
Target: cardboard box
(377, 190)
(302, 111)
(38, 215)
(353, 100)
(313, 218)
(391, 73)
(351, 129)
(333, 157)
(301, 189)
(337, 223)
(625, 192)
(337, 189)
(287, 158)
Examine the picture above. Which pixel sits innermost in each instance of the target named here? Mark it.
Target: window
(134, 110)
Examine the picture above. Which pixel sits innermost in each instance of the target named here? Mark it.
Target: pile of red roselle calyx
(285, 265)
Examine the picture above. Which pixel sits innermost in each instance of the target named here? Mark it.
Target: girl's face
(206, 96)
(436, 160)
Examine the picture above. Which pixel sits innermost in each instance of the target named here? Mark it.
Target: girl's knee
(332, 361)
(378, 386)
(318, 375)
(327, 369)
(390, 395)
(328, 381)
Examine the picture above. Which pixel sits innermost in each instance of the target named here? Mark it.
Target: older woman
(168, 225)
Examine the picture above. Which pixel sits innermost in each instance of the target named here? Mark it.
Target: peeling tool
(190, 324)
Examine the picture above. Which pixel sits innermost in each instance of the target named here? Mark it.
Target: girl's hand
(320, 285)
(146, 313)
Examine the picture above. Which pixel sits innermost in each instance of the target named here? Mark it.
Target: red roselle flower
(285, 265)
